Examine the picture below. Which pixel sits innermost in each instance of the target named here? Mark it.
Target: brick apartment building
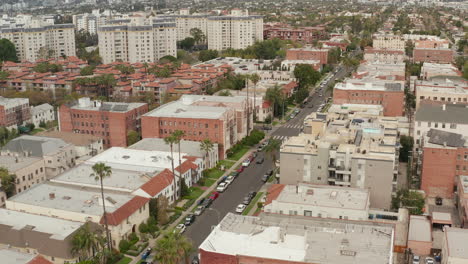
(308, 53)
(221, 119)
(388, 94)
(110, 121)
(444, 160)
(434, 55)
(14, 111)
(302, 34)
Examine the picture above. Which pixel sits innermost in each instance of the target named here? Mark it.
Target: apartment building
(301, 34)
(108, 120)
(186, 21)
(58, 155)
(222, 119)
(380, 71)
(42, 114)
(389, 94)
(454, 249)
(388, 41)
(236, 31)
(308, 53)
(42, 42)
(294, 239)
(89, 22)
(462, 200)
(44, 239)
(439, 92)
(433, 55)
(137, 40)
(318, 201)
(444, 159)
(14, 112)
(448, 118)
(384, 56)
(430, 70)
(346, 148)
(85, 145)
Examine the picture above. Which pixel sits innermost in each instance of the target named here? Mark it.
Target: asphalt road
(250, 178)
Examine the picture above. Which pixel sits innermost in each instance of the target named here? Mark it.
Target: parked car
(199, 210)
(429, 260)
(221, 187)
(146, 254)
(297, 111)
(416, 259)
(189, 219)
(229, 180)
(246, 163)
(260, 160)
(195, 260)
(234, 173)
(214, 196)
(180, 228)
(247, 200)
(252, 194)
(270, 172)
(438, 200)
(292, 116)
(265, 178)
(207, 203)
(240, 169)
(240, 208)
(251, 157)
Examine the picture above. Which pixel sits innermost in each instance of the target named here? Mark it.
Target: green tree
(206, 146)
(171, 140)
(306, 75)
(125, 69)
(465, 70)
(132, 137)
(255, 78)
(406, 143)
(173, 248)
(272, 149)
(7, 51)
(162, 205)
(44, 67)
(178, 135)
(187, 43)
(198, 35)
(87, 70)
(413, 200)
(85, 242)
(206, 55)
(100, 172)
(225, 93)
(276, 96)
(7, 181)
(4, 75)
(334, 55)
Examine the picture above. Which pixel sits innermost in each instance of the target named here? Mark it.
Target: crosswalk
(298, 126)
(281, 138)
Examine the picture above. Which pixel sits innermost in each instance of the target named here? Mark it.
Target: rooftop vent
(110, 199)
(310, 192)
(51, 196)
(347, 253)
(333, 194)
(125, 157)
(66, 197)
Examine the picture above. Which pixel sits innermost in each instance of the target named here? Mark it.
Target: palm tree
(272, 148)
(178, 135)
(101, 171)
(246, 78)
(255, 78)
(206, 145)
(170, 140)
(84, 242)
(173, 248)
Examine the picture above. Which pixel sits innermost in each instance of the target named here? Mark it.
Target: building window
(307, 213)
(453, 126)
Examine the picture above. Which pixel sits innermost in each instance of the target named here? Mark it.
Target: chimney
(51, 196)
(444, 107)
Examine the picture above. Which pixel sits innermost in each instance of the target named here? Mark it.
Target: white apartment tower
(51, 41)
(137, 40)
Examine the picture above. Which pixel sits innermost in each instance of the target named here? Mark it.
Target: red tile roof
(125, 211)
(158, 183)
(273, 192)
(185, 166)
(39, 260)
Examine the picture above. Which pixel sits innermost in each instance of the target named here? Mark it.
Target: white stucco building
(42, 113)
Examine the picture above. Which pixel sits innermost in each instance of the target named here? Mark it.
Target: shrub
(124, 245)
(143, 228)
(133, 253)
(133, 238)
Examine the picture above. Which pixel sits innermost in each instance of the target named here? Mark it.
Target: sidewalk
(152, 242)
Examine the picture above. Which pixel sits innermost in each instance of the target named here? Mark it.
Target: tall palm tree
(170, 140)
(101, 171)
(246, 78)
(255, 78)
(173, 248)
(272, 149)
(84, 242)
(178, 135)
(206, 145)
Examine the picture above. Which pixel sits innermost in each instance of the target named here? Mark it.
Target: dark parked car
(207, 203)
(189, 219)
(270, 172)
(234, 174)
(200, 202)
(146, 254)
(438, 201)
(240, 169)
(260, 160)
(252, 194)
(265, 178)
(247, 200)
(195, 260)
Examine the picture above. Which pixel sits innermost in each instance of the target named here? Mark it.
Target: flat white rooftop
(11, 256)
(456, 242)
(137, 160)
(178, 109)
(69, 198)
(325, 196)
(58, 228)
(420, 229)
(299, 239)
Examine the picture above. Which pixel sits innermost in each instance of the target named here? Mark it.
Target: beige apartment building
(235, 31)
(50, 41)
(186, 21)
(388, 41)
(441, 92)
(137, 40)
(350, 149)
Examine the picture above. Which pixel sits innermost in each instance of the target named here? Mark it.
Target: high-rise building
(137, 40)
(50, 41)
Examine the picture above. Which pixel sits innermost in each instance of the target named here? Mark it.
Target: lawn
(226, 163)
(124, 260)
(208, 182)
(214, 174)
(195, 192)
(252, 203)
(236, 156)
(36, 130)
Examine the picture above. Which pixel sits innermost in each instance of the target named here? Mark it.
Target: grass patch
(226, 163)
(194, 193)
(36, 130)
(238, 155)
(124, 260)
(275, 123)
(253, 203)
(272, 177)
(208, 182)
(214, 174)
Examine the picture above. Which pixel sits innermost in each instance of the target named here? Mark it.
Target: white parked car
(416, 259)
(199, 210)
(229, 180)
(429, 260)
(180, 228)
(221, 187)
(240, 208)
(246, 163)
